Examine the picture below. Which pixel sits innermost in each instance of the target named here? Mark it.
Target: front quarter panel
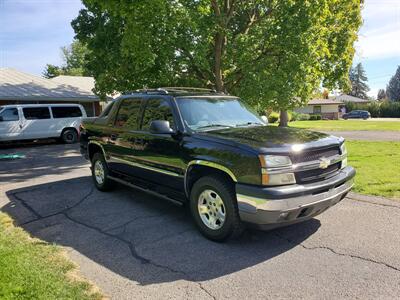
(244, 165)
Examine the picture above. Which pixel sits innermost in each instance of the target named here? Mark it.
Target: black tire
(232, 227)
(107, 184)
(69, 136)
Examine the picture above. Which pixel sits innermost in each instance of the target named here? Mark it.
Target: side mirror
(1, 119)
(160, 127)
(265, 119)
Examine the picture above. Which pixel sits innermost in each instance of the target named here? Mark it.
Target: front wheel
(214, 209)
(100, 173)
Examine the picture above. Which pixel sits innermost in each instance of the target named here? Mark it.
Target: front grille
(313, 175)
(315, 155)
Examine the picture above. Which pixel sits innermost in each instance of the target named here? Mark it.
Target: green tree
(358, 79)
(381, 94)
(74, 62)
(393, 88)
(272, 53)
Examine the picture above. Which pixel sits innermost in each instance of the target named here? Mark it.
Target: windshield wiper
(248, 123)
(214, 125)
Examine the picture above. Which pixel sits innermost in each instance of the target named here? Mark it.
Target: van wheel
(100, 173)
(69, 136)
(214, 209)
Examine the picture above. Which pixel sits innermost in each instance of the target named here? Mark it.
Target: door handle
(113, 137)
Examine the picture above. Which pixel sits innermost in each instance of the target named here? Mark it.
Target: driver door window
(9, 114)
(10, 125)
(157, 109)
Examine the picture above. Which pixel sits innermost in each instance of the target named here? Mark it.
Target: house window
(317, 109)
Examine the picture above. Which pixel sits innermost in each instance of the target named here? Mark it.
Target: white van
(37, 121)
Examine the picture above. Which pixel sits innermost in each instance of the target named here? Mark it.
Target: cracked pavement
(132, 245)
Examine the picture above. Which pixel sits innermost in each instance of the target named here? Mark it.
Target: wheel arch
(68, 128)
(94, 147)
(200, 168)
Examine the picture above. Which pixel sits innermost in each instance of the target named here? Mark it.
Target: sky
(32, 32)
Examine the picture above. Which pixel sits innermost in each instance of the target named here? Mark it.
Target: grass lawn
(347, 125)
(33, 269)
(378, 167)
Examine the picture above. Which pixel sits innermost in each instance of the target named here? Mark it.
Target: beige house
(327, 108)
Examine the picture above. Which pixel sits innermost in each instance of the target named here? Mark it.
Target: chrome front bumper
(269, 208)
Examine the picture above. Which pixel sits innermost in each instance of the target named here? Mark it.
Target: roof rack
(168, 90)
(187, 89)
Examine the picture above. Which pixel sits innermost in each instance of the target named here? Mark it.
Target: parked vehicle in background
(212, 152)
(38, 121)
(357, 114)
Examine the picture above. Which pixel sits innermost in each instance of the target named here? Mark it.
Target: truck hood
(272, 139)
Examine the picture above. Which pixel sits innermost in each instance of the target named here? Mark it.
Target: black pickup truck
(214, 153)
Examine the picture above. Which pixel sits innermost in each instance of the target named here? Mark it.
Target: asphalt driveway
(134, 246)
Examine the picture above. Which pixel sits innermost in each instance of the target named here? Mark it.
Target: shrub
(315, 117)
(377, 109)
(289, 116)
(273, 117)
(303, 117)
(390, 110)
(294, 116)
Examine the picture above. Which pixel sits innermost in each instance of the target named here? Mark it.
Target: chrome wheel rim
(211, 209)
(99, 172)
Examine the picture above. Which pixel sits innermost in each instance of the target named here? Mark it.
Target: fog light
(283, 215)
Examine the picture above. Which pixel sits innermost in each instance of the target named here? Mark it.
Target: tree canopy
(358, 79)
(74, 62)
(381, 94)
(270, 52)
(393, 88)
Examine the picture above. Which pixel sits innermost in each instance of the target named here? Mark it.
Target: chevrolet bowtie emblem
(324, 162)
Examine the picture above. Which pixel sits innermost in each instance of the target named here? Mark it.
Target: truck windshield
(210, 113)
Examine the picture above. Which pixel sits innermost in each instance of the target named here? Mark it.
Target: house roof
(324, 102)
(348, 98)
(17, 85)
(83, 82)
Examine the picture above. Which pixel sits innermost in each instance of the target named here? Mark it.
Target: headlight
(343, 149)
(270, 170)
(275, 161)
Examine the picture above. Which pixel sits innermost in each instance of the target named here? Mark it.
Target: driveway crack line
(373, 203)
(338, 253)
(54, 214)
(136, 255)
(130, 245)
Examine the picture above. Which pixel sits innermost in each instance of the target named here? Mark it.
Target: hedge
(377, 109)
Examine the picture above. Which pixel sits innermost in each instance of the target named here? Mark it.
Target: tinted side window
(66, 112)
(157, 109)
(36, 113)
(9, 114)
(128, 113)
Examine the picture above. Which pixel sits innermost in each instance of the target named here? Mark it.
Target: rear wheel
(214, 209)
(100, 173)
(69, 136)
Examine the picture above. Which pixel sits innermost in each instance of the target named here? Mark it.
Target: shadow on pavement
(138, 236)
(39, 161)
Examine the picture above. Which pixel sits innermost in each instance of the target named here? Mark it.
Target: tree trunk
(218, 47)
(283, 118)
